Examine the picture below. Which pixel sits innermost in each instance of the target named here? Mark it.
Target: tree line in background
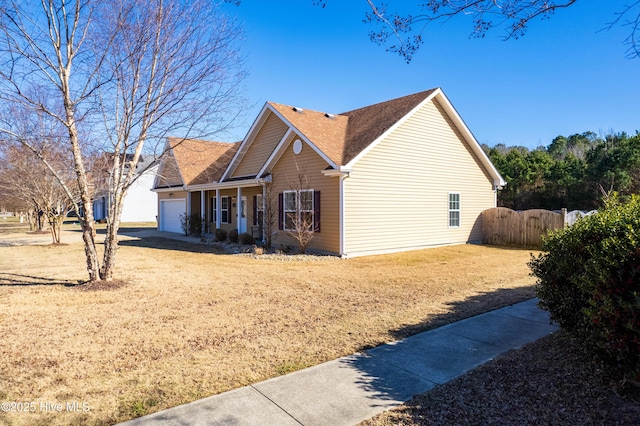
(575, 172)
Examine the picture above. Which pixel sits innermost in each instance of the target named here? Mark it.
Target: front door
(242, 226)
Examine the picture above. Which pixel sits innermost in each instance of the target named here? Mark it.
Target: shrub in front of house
(246, 239)
(221, 235)
(195, 225)
(233, 236)
(589, 281)
(191, 224)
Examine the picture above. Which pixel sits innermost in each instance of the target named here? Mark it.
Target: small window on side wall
(454, 210)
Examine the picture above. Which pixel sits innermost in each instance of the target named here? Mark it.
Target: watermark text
(44, 406)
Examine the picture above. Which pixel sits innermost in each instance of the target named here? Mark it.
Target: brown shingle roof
(340, 137)
(201, 161)
(325, 132)
(343, 136)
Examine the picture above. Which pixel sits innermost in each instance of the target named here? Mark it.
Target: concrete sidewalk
(354, 388)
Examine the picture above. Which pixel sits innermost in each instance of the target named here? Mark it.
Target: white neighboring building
(140, 204)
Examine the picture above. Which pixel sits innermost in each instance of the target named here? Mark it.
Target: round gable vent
(297, 146)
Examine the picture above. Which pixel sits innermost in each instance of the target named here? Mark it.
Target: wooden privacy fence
(506, 227)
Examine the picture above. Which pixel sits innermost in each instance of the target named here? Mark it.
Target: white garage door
(170, 212)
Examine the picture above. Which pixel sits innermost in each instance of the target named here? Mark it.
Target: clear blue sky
(566, 75)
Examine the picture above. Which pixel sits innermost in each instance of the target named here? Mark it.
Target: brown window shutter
(280, 210)
(255, 210)
(230, 211)
(316, 211)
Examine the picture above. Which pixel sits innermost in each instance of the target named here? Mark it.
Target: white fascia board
(276, 154)
(473, 142)
(222, 185)
(391, 129)
(247, 141)
(305, 139)
(170, 189)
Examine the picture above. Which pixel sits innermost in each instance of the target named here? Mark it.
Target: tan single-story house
(399, 175)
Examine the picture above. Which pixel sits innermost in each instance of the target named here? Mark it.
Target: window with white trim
(454, 210)
(224, 210)
(298, 209)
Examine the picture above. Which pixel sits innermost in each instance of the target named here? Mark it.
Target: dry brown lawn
(191, 323)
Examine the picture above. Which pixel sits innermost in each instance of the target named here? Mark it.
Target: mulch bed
(101, 285)
(551, 382)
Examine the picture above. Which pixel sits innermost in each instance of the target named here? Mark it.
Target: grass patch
(190, 323)
(289, 367)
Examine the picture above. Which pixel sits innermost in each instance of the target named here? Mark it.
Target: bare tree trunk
(270, 213)
(111, 239)
(55, 234)
(55, 226)
(86, 219)
(31, 218)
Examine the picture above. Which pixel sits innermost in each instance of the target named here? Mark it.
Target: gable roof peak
(201, 161)
(343, 136)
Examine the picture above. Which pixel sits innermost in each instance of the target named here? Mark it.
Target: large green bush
(589, 281)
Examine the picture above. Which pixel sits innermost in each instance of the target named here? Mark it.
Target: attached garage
(170, 212)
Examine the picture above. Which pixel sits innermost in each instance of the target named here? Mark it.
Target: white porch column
(239, 212)
(202, 205)
(203, 211)
(218, 209)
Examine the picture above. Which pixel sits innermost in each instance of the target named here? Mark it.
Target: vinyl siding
(397, 195)
(171, 195)
(311, 164)
(138, 204)
(261, 147)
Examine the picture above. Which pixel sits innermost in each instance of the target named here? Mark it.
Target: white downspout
(239, 211)
(342, 218)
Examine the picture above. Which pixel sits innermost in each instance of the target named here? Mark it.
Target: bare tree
(119, 76)
(299, 210)
(270, 213)
(27, 178)
(403, 32)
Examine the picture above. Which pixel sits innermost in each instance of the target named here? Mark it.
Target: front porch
(241, 208)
